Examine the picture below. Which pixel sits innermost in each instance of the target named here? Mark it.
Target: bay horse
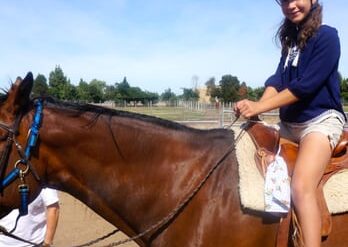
(136, 170)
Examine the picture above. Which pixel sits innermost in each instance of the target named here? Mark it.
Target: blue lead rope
(23, 190)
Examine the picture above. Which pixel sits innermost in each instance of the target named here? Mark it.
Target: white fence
(220, 113)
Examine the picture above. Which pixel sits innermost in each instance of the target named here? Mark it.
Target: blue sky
(156, 44)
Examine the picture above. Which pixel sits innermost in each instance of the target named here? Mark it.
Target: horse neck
(123, 164)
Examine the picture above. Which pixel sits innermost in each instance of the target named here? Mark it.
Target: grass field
(176, 113)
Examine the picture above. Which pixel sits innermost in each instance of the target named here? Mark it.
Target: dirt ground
(78, 225)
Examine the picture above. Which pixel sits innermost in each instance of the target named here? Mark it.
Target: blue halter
(23, 188)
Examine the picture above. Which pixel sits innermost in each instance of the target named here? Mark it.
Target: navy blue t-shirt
(311, 75)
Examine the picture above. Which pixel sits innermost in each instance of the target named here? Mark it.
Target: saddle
(267, 142)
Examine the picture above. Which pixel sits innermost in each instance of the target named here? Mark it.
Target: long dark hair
(290, 33)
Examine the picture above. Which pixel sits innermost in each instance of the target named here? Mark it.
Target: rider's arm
(248, 108)
(52, 214)
(275, 100)
(268, 93)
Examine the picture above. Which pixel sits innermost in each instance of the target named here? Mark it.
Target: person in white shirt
(38, 226)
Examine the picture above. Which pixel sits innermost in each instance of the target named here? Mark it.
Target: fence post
(222, 115)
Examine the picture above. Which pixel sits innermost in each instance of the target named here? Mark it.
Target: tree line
(96, 91)
(227, 89)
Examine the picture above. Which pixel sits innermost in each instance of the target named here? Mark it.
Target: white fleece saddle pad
(251, 183)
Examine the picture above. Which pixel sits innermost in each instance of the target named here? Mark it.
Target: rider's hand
(236, 110)
(247, 108)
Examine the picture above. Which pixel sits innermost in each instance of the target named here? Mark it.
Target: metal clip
(23, 171)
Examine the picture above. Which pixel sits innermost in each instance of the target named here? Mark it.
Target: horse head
(14, 105)
(16, 100)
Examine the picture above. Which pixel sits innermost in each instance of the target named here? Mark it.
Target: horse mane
(99, 111)
(80, 108)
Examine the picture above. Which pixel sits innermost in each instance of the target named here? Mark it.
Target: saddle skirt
(251, 181)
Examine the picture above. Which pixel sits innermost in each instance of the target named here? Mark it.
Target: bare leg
(314, 155)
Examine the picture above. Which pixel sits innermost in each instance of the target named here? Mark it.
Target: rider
(38, 226)
(306, 88)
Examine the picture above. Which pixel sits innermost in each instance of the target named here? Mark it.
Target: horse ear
(26, 86)
(19, 95)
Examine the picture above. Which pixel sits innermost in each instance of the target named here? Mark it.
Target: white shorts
(329, 123)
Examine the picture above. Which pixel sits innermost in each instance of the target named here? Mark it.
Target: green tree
(212, 90)
(229, 87)
(135, 95)
(40, 87)
(96, 90)
(152, 97)
(169, 97)
(82, 91)
(71, 92)
(210, 84)
(59, 86)
(123, 88)
(110, 93)
(125, 93)
(344, 89)
(255, 93)
(190, 94)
